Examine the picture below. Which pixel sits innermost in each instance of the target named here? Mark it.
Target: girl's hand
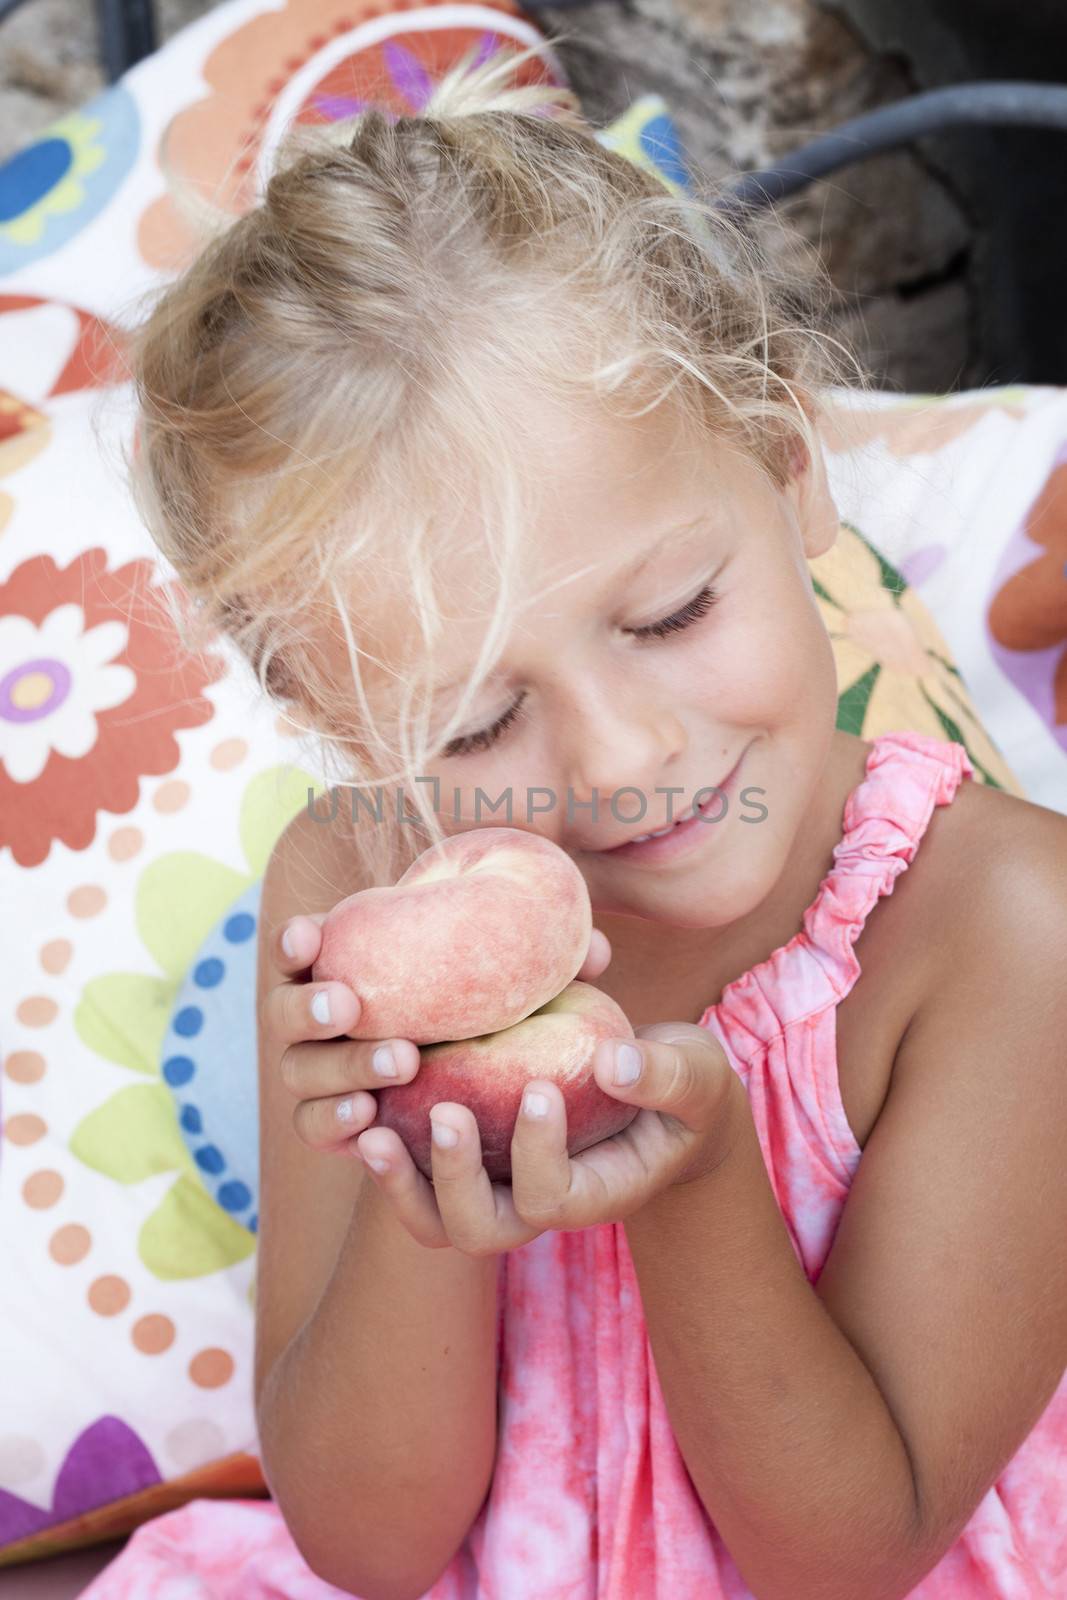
(331, 1076)
(692, 1103)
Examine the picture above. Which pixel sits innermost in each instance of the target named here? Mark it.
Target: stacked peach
(472, 954)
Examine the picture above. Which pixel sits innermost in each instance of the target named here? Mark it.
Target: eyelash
(698, 607)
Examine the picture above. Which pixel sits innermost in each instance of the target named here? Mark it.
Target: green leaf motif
(123, 1017)
(179, 898)
(852, 705)
(132, 1136)
(188, 1235)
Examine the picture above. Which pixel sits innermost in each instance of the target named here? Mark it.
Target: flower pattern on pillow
(295, 62)
(93, 687)
(894, 670)
(1027, 614)
(124, 1017)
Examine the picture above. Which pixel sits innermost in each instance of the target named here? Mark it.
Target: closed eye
(699, 606)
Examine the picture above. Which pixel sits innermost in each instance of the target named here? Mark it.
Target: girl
(503, 468)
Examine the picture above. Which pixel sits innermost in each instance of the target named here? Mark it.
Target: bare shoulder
(315, 857)
(998, 867)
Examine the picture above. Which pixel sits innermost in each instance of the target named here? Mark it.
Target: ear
(808, 491)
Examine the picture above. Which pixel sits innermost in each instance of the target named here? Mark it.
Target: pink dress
(591, 1499)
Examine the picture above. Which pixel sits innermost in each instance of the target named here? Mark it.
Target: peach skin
(478, 933)
(488, 1075)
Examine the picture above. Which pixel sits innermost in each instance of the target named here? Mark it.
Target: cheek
(769, 651)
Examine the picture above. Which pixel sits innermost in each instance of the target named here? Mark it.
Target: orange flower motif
(93, 685)
(312, 61)
(1027, 616)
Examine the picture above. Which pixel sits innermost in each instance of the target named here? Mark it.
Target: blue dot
(253, 1225)
(178, 1070)
(31, 174)
(234, 1196)
(189, 1021)
(208, 973)
(239, 927)
(192, 1121)
(210, 1158)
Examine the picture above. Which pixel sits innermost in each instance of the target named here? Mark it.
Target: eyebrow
(631, 571)
(621, 575)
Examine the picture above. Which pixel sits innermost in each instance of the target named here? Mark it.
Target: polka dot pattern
(125, 843)
(70, 1244)
(25, 1066)
(25, 1129)
(109, 1295)
(55, 955)
(36, 1011)
(152, 1334)
(210, 1369)
(171, 796)
(21, 1458)
(208, 1060)
(193, 1442)
(88, 900)
(42, 1189)
(230, 753)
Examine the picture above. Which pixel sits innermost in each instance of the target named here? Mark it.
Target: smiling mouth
(679, 822)
(659, 833)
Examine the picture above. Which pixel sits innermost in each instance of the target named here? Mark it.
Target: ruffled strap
(885, 817)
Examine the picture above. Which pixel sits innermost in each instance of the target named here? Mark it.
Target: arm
(375, 1357)
(378, 1421)
(840, 1437)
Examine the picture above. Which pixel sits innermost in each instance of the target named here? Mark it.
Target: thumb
(684, 1070)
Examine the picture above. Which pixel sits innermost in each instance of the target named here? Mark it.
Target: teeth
(641, 837)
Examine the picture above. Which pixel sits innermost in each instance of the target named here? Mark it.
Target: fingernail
(320, 1006)
(627, 1063)
(443, 1135)
(384, 1061)
(377, 1163)
(287, 945)
(344, 1111)
(534, 1104)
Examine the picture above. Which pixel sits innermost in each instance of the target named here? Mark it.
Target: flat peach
(488, 1074)
(478, 933)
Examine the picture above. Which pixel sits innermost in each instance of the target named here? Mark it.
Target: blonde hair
(321, 387)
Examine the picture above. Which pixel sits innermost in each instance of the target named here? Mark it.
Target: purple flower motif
(411, 77)
(917, 567)
(104, 1464)
(336, 107)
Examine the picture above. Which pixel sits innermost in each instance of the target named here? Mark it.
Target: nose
(621, 742)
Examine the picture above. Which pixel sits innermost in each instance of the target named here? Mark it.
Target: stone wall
(747, 84)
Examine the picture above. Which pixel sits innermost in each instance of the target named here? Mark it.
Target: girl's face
(693, 647)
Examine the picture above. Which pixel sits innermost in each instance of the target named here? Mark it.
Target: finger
(334, 1121)
(314, 1069)
(478, 1215)
(407, 1190)
(297, 942)
(597, 958)
(541, 1173)
(682, 1069)
(296, 1011)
